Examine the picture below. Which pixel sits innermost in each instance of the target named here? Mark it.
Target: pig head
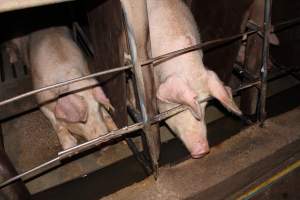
(184, 79)
(77, 109)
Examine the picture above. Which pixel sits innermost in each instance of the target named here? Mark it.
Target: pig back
(54, 57)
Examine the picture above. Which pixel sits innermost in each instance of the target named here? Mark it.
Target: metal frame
(265, 59)
(262, 84)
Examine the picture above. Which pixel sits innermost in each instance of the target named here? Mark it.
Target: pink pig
(181, 80)
(78, 108)
(184, 79)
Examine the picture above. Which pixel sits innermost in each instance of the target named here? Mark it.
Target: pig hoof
(69, 144)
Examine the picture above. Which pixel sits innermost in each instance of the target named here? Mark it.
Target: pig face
(83, 113)
(189, 125)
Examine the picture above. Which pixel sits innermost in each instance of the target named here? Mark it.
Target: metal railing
(261, 83)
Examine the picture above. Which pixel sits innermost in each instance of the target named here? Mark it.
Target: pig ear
(273, 39)
(177, 90)
(222, 93)
(71, 108)
(101, 98)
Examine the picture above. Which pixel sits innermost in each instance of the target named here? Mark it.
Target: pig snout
(200, 148)
(195, 141)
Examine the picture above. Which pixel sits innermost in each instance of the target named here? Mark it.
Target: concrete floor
(246, 156)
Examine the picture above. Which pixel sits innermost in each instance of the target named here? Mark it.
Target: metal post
(265, 58)
(143, 76)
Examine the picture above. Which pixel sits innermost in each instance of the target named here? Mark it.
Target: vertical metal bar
(137, 68)
(144, 77)
(154, 132)
(265, 58)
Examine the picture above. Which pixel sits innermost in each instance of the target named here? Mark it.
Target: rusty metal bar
(10, 5)
(265, 59)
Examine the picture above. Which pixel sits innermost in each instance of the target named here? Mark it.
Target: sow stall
(103, 34)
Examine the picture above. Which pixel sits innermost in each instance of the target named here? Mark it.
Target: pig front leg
(66, 139)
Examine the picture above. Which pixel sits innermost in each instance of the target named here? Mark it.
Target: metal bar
(10, 5)
(265, 59)
(140, 156)
(85, 39)
(136, 67)
(145, 63)
(286, 24)
(27, 94)
(244, 72)
(140, 82)
(112, 135)
(152, 132)
(179, 52)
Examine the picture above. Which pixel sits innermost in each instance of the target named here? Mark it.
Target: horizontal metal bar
(147, 62)
(27, 94)
(194, 48)
(112, 135)
(43, 166)
(244, 72)
(285, 24)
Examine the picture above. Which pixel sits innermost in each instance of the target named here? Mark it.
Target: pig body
(78, 108)
(184, 79)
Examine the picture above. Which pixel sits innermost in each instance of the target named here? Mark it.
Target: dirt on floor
(194, 178)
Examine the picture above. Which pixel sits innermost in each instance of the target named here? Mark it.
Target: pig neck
(172, 27)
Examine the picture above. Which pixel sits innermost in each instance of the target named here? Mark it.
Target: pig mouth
(199, 151)
(199, 155)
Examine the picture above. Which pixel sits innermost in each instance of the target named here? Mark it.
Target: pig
(78, 109)
(183, 79)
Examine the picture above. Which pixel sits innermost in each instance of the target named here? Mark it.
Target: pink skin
(74, 109)
(184, 79)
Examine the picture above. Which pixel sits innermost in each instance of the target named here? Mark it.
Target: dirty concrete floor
(287, 188)
(127, 172)
(194, 179)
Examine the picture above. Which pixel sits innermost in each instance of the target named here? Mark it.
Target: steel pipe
(27, 94)
(265, 59)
